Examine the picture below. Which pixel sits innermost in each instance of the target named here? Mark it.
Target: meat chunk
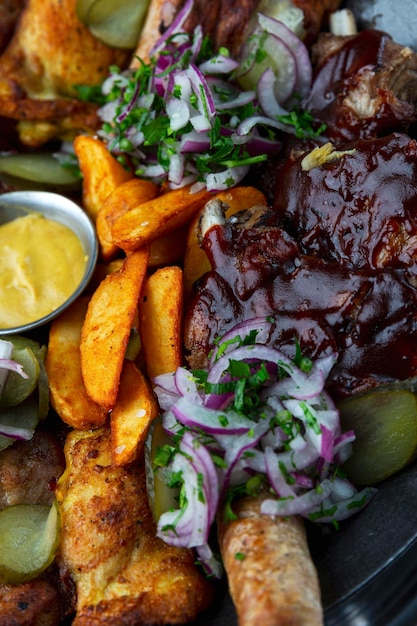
(35, 603)
(359, 209)
(271, 575)
(29, 470)
(364, 86)
(123, 573)
(368, 316)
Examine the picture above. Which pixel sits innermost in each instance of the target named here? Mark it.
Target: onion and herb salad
(185, 119)
(254, 420)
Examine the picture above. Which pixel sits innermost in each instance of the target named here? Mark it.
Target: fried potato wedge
(160, 320)
(150, 220)
(168, 249)
(68, 395)
(122, 572)
(102, 173)
(196, 262)
(135, 409)
(107, 325)
(125, 197)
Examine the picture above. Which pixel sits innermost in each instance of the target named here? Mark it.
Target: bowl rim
(66, 211)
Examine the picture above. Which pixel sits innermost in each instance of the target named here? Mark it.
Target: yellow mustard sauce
(42, 263)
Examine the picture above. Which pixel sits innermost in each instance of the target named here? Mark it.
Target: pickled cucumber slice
(161, 497)
(19, 421)
(41, 169)
(17, 388)
(29, 538)
(116, 24)
(385, 425)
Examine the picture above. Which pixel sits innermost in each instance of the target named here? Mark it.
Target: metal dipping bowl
(60, 209)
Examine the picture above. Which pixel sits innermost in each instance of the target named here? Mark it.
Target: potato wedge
(135, 408)
(168, 249)
(107, 326)
(125, 197)
(68, 395)
(196, 262)
(150, 220)
(102, 173)
(160, 320)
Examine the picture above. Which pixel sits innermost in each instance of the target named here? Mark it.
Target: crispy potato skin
(272, 578)
(123, 573)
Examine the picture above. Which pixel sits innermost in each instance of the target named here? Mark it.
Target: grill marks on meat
(359, 210)
(364, 86)
(370, 317)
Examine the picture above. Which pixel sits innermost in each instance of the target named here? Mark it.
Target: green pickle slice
(29, 538)
(17, 388)
(385, 425)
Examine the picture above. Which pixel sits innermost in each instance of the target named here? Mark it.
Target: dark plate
(368, 568)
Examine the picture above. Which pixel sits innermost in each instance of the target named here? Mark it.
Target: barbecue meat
(29, 470)
(364, 86)
(368, 316)
(359, 209)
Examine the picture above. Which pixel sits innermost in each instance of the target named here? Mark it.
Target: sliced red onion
(298, 49)
(178, 113)
(174, 27)
(209, 562)
(241, 99)
(190, 527)
(267, 95)
(260, 325)
(249, 123)
(194, 142)
(176, 169)
(219, 64)
(298, 505)
(221, 181)
(209, 420)
(294, 439)
(202, 90)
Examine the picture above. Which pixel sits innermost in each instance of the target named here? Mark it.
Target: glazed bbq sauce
(332, 82)
(360, 209)
(370, 318)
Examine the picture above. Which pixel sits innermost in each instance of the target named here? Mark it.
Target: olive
(385, 425)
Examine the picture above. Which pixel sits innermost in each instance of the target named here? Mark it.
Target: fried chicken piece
(49, 53)
(272, 578)
(123, 573)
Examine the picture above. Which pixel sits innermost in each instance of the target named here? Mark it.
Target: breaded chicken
(49, 53)
(123, 573)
